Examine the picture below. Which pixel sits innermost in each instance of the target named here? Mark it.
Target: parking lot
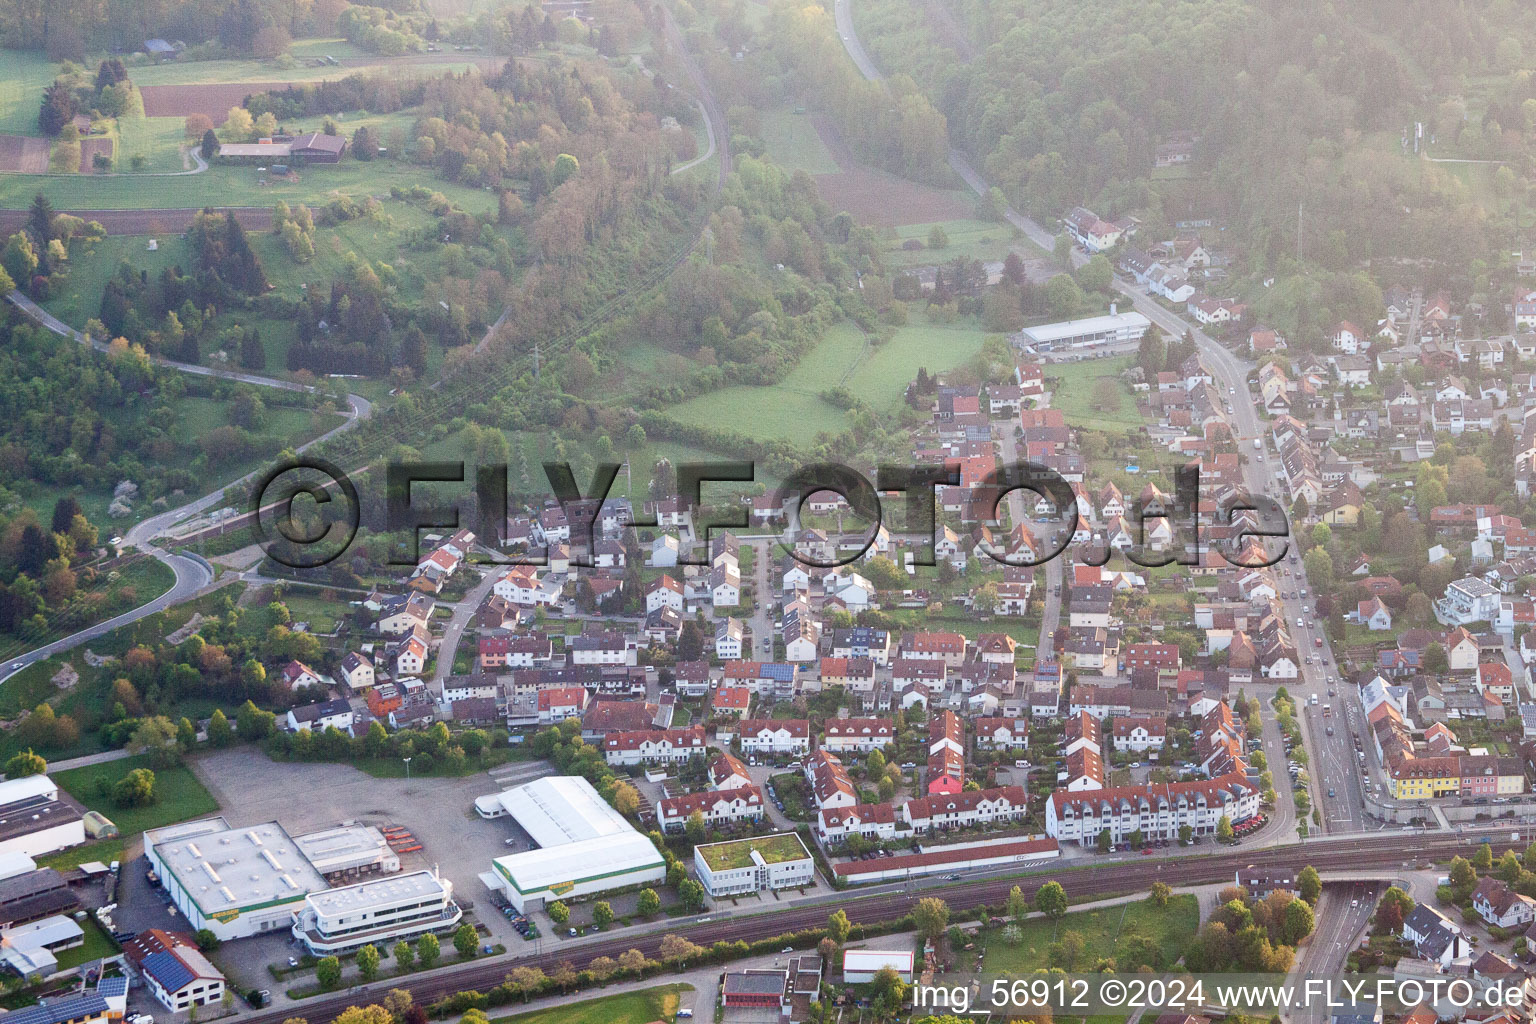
(305, 797)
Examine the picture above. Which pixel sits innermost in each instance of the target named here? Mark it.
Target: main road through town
(1335, 765)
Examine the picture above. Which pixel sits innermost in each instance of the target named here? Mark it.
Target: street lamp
(407, 766)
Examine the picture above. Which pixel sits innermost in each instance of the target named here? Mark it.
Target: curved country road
(192, 573)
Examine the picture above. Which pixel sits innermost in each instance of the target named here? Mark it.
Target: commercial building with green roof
(779, 861)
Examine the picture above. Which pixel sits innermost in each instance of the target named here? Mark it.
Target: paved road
(1345, 811)
(463, 612)
(193, 573)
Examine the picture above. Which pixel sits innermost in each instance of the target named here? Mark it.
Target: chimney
(1114, 308)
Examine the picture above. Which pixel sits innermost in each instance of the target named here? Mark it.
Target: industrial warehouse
(36, 819)
(242, 881)
(584, 845)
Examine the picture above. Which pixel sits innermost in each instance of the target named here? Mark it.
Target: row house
(771, 736)
(996, 733)
(1139, 733)
(731, 701)
(856, 674)
(654, 746)
(602, 649)
(829, 782)
(558, 703)
(1157, 811)
(963, 810)
(859, 735)
(862, 642)
(503, 649)
(719, 807)
(949, 648)
(1162, 659)
(873, 822)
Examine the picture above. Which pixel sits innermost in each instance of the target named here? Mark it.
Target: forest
(1300, 114)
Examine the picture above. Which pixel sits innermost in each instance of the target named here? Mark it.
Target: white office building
(378, 911)
(761, 863)
(235, 882)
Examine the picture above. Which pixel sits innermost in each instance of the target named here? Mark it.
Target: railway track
(1081, 884)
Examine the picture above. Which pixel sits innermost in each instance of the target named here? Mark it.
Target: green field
(157, 139)
(642, 1007)
(1075, 397)
(1171, 927)
(975, 239)
(791, 410)
(78, 297)
(98, 944)
(279, 70)
(231, 185)
(179, 795)
(794, 144)
(881, 380)
(24, 74)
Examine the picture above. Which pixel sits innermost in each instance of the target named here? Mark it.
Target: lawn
(1074, 393)
(305, 605)
(773, 849)
(1171, 928)
(792, 409)
(794, 144)
(975, 239)
(98, 946)
(106, 851)
(179, 796)
(881, 380)
(91, 265)
(24, 74)
(777, 412)
(641, 1007)
(157, 139)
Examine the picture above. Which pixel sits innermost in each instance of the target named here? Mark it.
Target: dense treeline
(377, 94)
(796, 56)
(1296, 107)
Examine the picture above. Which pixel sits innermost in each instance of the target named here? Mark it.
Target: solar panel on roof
(167, 969)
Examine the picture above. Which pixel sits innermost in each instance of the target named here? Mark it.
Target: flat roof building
(348, 852)
(779, 861)
(861, 965)
(378, 911)
(1095, 330)
(37, 819)
(585, 846)
(235, 882)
